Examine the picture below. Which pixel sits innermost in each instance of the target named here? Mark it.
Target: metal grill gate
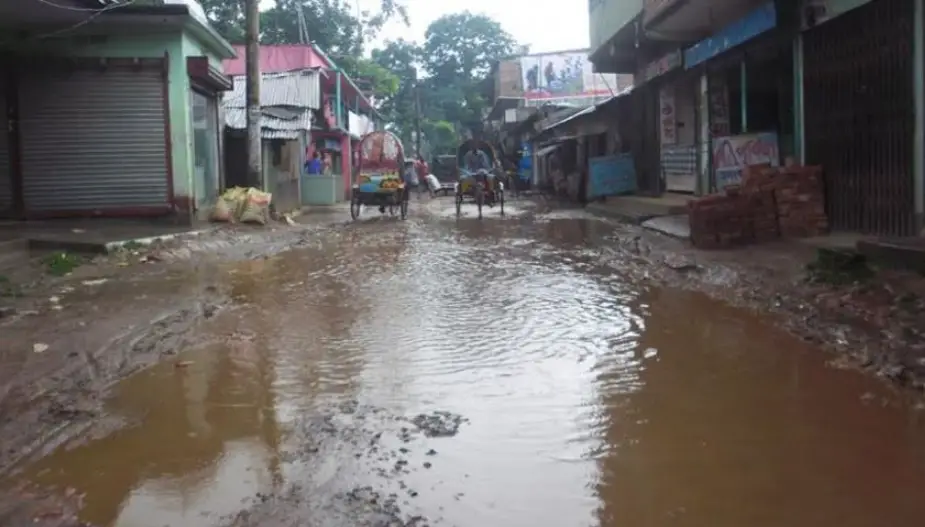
(859, 116)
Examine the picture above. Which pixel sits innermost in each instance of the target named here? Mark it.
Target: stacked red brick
(800, 199)
(771, 202)
(719, 221)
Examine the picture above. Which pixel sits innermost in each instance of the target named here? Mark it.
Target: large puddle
(588, 400)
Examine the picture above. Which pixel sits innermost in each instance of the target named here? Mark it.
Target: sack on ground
(223, 212)
(256, 207)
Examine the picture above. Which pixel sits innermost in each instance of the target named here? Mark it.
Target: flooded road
(495, 373)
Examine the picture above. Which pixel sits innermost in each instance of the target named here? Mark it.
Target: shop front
(94, 137)
(859, 99)
(744, 103)
(676, 122)
(330, 186)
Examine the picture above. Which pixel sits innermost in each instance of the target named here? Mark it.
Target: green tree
(227, 17)
(457, 54)
(332, 25)
(400, 58)
(441, 137)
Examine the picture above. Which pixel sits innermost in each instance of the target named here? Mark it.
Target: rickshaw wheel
(479, 198)
(355, 207)
(459, 200)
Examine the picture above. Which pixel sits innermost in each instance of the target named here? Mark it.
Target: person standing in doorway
(313, 165)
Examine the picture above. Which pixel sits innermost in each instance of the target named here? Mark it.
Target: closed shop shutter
(6, 174)
(859, 97)
(93, 140)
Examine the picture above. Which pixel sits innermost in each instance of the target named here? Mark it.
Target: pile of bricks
(771, 202)
(719, 221)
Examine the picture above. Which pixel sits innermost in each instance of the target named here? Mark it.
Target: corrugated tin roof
(272, 127)
(299, 89)
(277, 58)
(568, 117)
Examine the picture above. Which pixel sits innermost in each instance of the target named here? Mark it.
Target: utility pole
(417, 114)
(252, 56)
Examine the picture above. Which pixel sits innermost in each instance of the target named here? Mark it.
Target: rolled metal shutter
(6, 173)
(94, 140)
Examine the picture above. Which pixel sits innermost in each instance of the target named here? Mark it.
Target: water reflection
(738, 425)
(590, 400)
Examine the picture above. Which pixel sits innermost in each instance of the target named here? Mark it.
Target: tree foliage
(458, 52)
(400, 58)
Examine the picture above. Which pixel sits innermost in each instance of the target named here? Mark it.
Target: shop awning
(547, 150)
(586, 112)
(553, 146)
(501, 105)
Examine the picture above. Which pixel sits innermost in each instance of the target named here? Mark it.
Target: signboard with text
(668, 125)
(733, 153)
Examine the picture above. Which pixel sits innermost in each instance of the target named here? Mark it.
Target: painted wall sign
(656, 68)
(751, 25)
(611, 176)
(668, 125)
(733, 153)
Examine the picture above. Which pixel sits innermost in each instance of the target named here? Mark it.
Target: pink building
(339, 93)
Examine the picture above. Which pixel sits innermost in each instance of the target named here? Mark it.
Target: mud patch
(335, 448)
(28, 506)
(438, 424)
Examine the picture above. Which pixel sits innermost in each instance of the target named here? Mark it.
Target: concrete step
(637, 209)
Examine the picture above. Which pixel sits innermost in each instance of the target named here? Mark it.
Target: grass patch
(62, 263)
(834, 267)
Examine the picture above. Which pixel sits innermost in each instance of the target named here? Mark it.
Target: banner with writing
(667, 117)
(733, 153)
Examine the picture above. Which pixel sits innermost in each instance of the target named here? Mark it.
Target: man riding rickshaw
(477, 178)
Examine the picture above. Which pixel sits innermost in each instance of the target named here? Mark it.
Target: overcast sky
(546, 25)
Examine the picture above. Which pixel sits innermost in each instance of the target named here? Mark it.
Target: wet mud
(545, 368)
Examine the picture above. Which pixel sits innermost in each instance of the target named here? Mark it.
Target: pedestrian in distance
(313, 166)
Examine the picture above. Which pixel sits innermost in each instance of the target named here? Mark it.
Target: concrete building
(725, 83)
(109, 109)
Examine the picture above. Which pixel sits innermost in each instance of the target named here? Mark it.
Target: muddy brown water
(589, 400)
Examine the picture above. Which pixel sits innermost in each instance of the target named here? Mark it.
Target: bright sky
(545, 25)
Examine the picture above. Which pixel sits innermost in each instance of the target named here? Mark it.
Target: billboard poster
(567, 77)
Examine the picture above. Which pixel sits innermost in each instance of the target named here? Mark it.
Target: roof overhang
(502, 105)
(618, 53)
(203, 74)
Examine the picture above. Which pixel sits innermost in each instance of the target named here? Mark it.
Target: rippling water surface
(590, 400)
